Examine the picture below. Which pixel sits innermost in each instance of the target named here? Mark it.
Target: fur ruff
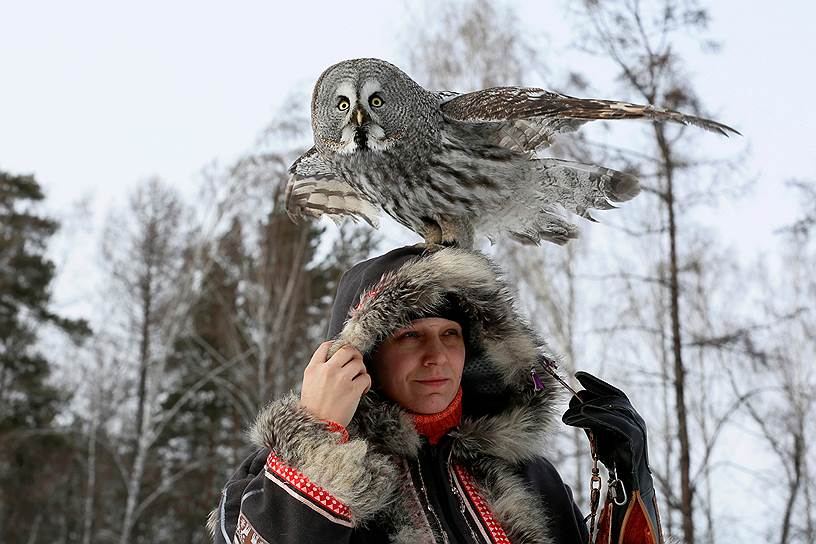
(212, 523)
(364, 480)
(366, 473)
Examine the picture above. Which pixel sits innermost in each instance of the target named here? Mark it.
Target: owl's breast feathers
(385, 179)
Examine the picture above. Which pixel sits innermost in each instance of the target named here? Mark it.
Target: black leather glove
(620, 442)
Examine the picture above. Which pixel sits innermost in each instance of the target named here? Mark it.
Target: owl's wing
(314, 190)
(526, 119)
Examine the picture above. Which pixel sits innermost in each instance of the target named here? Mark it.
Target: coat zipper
(428, 504)
(465, 510)
(463, 507)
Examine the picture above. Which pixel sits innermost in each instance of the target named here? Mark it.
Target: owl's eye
(343, 103)
(376, 101)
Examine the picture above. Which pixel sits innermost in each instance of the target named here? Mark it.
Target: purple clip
(536, 380)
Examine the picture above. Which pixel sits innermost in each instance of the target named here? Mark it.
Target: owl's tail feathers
(580, 187)
(560, 185)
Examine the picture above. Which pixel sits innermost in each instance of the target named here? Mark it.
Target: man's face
(420, 366)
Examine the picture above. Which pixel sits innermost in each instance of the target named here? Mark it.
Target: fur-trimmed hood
(503, 415)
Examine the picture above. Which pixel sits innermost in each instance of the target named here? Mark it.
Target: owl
(449, 165)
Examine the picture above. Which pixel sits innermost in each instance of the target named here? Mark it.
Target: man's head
(385, 294)
(420, 366)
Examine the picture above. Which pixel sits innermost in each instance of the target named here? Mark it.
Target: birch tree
(142, 246)
(640, 41)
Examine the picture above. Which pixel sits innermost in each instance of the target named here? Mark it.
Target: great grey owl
(446, 164)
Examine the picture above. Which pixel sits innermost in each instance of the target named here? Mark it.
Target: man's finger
(596, 385)
(344, 355)
(356, 358)
(319, 356)
(354, 368)
(363, 381)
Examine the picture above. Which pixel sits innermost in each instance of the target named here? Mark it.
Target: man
(418, 422)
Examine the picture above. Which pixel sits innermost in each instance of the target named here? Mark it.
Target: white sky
(96, 96)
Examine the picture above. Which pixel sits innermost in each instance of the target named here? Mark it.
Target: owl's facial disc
(361, 130)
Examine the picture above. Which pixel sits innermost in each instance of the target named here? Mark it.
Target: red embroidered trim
(337, 428)
(245, 533)
(299, 481)
(489, 521)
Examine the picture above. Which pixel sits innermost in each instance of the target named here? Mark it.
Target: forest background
(154, 294)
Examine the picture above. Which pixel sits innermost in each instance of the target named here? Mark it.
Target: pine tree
(29, 491)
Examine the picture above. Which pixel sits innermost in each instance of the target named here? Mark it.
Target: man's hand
(332, 389)
(619, 430)
(620, 435)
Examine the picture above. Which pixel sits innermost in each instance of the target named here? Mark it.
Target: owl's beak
(359, 116)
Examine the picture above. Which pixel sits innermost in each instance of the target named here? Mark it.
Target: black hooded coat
(485, 481)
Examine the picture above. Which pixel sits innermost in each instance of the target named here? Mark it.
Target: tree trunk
(798, 453)
(34, 532)
(810, 532)
(144, 350)
(140, 453)
(87, 522)
(665, 380)
(133, 489)
(686, 491)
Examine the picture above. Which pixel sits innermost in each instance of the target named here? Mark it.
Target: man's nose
(435, 353)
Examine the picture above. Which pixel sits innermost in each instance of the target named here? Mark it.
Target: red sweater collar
(434, 426)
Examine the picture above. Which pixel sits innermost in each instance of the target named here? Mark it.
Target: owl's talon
(456, 233)
(432, 233)
(429, 247)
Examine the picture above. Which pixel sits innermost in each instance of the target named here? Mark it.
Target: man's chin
(432, 402)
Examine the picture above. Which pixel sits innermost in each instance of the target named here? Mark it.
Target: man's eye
(410, 334)
(452, 332)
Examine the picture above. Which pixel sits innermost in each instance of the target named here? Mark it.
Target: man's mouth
(435, 382)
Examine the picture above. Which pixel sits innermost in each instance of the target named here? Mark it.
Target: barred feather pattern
(449, 166)
(314, 190)
(528, 118)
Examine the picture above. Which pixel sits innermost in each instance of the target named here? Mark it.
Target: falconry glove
(630, 514)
